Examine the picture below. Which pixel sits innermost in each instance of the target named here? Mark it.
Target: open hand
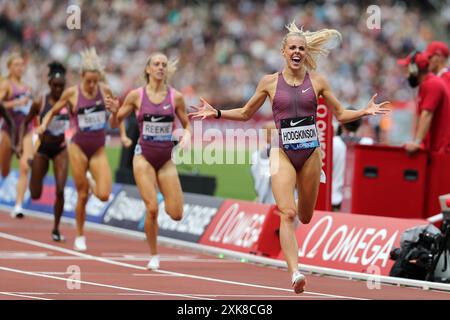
(112, 104)
(204, 111)
(377, 108)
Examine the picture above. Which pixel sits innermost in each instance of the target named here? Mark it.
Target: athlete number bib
(24, 109)
(59, 125)
(92, 119)
(157, 127)
(299, 133)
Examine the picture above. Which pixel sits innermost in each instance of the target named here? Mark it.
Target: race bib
(58, 125)
(157, 128)
(92, 118)
(299, 133)
(24, 109)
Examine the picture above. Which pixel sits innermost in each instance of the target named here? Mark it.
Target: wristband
(417, 141)
(219, 114)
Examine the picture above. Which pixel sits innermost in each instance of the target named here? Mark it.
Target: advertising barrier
(351, 242)
(325, 129)
(198, 212)
(95, 209)
(8, 191)
(237, 226)
(128, 211)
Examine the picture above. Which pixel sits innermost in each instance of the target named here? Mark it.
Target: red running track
(34, 267)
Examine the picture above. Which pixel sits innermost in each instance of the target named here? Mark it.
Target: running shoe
(91, 181)
(56, 236)
(80, 244)
(323, 177)
(298, 282)
(17, 212)
(153, 264)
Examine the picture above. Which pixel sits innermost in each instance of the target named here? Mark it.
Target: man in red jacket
(433, 106)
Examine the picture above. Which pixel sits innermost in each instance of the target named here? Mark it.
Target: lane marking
(100, 259)
(23, 296)
(152, 275)
(29, 273)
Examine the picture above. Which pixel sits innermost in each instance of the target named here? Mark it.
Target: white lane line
(127, 265)
(36, 293)
(246, 297)
(152, 275)
(22, 296)
(100, 284)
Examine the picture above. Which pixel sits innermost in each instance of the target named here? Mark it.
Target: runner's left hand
(373, 108)
(126, 142)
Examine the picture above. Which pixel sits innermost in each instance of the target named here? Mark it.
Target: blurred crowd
(224, 47)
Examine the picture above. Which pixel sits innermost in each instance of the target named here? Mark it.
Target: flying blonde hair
(13, 56)
(316, 42)
(90, 61)
(171, 67)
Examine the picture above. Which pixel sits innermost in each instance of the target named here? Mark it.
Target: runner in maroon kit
(16, 98)
(156, 105)
(433, 106)
(87, 148)
(294, 93)
(52, 144)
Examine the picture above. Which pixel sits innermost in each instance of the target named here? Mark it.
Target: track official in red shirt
(433, 105)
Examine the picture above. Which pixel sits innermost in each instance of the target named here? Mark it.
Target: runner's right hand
(112, 104)
(40, 130)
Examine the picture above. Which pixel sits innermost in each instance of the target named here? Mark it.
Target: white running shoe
(17, 212)
(153, 264)
(80, 244)
(323, 177)
(298, 282)
(91, 181)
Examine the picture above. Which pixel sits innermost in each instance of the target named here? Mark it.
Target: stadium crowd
(224, 47)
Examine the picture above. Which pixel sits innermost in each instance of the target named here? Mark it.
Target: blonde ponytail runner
(318, 43)
(90, 61)
(171, 67)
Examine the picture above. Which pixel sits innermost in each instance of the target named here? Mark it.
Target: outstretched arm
(126, 142)
(34, 111)
(119, 113)
(240, 114)
(57, 107)
(343, 115)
